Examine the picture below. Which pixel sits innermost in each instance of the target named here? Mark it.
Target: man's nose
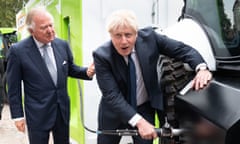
(123, 39)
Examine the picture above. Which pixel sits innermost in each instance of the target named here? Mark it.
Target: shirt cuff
(133, 121)
(198, 67)
(18, 119)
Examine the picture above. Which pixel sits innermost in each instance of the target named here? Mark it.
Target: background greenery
(8, 11)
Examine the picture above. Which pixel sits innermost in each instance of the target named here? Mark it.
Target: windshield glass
(221, 21)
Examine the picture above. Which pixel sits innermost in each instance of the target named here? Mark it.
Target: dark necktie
(132, 82)
(49, 63)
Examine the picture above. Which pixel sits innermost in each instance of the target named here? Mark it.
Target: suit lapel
(120, 64)
(58, 58)
(143, 54)
(35, 56)
(59, 52)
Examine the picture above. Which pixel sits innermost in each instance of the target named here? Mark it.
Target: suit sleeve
(178, 50)
(73, 69)
(14, 77)
(112, 98)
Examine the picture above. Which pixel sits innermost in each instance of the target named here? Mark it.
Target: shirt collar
(39, 44)
(133, 50)
(126, 57)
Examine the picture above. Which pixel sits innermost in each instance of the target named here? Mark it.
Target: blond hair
(121, 18)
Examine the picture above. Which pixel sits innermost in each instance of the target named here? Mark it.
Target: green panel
(72, 31)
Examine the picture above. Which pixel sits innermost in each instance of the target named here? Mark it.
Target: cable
(81, 111)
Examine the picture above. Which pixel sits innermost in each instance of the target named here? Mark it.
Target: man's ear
(30, 30)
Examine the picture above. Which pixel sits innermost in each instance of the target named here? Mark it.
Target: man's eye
(43, 28)
(118, 36)
(128, 35)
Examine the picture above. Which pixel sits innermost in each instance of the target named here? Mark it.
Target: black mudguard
(218, 103)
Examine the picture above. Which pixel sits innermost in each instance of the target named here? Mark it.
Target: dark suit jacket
(41, 96)
(111, 74)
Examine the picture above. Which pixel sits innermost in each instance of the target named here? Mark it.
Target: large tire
(172, 78)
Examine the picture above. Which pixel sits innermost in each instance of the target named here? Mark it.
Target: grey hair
(122, 18)
(35, 12)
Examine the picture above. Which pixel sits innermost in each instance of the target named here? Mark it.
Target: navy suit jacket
(41, 97)
(111, 74)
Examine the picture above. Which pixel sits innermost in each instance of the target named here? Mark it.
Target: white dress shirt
(141, 93)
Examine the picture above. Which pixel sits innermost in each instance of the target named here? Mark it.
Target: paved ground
(8, 132)
(10, 135)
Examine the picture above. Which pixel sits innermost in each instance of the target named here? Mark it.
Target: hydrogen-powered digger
(212, 115)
